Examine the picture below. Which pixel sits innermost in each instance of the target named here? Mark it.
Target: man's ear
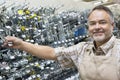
(113, 24)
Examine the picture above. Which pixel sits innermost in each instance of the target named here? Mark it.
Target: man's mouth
(98, 33)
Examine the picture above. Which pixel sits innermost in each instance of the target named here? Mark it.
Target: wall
(66, 4)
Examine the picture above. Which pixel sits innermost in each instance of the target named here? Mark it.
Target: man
(95, 60)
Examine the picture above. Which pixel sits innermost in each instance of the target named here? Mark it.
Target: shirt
(90, 65)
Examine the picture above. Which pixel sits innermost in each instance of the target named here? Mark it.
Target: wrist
(23, 45)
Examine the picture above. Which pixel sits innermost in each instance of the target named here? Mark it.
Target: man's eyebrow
(103, 20)
(91, 21)
(97, 21)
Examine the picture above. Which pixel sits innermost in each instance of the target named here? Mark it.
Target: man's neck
(98, 44)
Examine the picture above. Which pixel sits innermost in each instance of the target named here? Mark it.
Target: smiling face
(100, 26)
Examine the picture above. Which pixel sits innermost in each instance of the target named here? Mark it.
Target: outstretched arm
(40, 51)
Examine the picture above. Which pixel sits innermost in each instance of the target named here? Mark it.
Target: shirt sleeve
(67, 57)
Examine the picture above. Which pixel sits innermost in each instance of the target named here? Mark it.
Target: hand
(14, 42)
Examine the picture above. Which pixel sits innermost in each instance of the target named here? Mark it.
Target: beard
(102, 36)
(99, 38)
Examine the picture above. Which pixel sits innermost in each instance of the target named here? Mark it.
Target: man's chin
(99, 38)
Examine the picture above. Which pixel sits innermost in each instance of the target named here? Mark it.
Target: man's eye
(103, 22)
(92, 23)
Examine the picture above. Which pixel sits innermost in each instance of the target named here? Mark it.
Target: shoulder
(84, 44)
(117, 44)
(117, 41)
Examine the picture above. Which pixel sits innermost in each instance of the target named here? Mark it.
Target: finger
(7, 42)
(8, 38)
(10, 44)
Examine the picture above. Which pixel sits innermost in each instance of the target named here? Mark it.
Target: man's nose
(97, 25)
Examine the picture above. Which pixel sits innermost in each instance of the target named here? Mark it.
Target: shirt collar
(107, 46)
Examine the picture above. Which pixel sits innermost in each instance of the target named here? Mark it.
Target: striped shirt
(92, 64)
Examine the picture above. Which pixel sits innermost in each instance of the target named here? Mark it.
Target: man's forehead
(98, 15)
(98, 12)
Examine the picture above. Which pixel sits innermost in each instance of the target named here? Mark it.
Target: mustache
(98, 31)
